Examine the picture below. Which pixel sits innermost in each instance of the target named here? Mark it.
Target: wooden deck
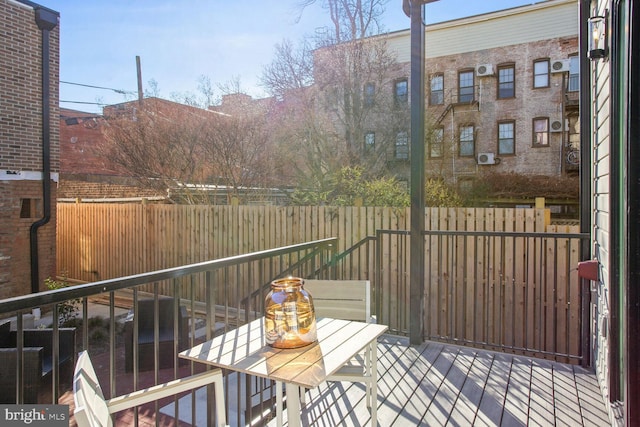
(437, 385)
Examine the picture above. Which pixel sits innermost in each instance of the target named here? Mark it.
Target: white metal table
(244, 350)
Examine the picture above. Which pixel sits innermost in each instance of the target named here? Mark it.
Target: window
(402, 145)
(506, 81)
(467, 141)
(541, 73)
(506, 137)
(574, 74)
(541, 132)
(30, 208)
(465, 86)
(437, 90)
(369, 94)
(435, 145)
(369, 141)
(401, 91)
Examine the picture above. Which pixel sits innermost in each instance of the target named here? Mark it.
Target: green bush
(68, 310)
(351, 186)
(438, 194)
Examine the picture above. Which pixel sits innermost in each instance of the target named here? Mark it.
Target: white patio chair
(92, 410)
(346, 300)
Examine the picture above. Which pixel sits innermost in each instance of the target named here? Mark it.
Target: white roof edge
(21, 175)
(17, 3)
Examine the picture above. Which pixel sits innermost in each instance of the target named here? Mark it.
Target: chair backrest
(91, 409)
(4, 334)
(146, 309)
(341, 299)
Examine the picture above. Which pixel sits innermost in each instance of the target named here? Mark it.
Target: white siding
(541, 21)
(602, 212)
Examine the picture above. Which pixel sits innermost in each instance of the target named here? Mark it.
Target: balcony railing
(506, 291)
(228, 285)
(510, 291)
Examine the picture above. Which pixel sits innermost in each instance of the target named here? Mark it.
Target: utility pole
(139, 74)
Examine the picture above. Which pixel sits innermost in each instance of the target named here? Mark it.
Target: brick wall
(80, 141)
(21, 90)
(85, 171)
(102, 187)
(527, 104)
(21, 146)
(15, 266)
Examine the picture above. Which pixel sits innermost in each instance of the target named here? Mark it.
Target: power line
(120, 91)
(83, 102)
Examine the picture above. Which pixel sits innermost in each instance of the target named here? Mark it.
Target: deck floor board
(445, 385)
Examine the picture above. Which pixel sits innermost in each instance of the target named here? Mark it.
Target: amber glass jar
(290, 319)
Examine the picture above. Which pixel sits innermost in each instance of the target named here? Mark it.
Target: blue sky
(179, 41)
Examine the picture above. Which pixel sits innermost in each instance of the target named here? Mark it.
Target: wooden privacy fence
(494, 277)
(103, 241)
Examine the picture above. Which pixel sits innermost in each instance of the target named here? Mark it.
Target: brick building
(501, 97)
(501, 94)
(85, 171)
(29, 148)
(89, 172)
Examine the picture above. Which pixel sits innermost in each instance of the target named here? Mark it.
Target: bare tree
(237, 146)
(189, 151)
(354, 81)
(309, 151)
(351, 19)
(292, 68)
(156, 147)
(348, 99)
(203, 98)
(231, 87)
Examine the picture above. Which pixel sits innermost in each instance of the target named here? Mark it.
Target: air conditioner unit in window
(486, 159)
(484, 70)
(560, 65)
(556, 126)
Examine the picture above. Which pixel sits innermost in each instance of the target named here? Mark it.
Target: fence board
(479, 306)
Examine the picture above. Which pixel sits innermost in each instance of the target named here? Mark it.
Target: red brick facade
(21, 146)
(80, 137)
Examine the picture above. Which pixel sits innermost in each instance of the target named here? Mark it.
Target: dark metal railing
(229, 282)
(506, 291)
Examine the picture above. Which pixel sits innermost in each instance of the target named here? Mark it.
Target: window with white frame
(369, 94)
(401, 91)
(506, 137)
(574, 74)
(541, 73)
(437, 90)
(466, 86)
(467, 144)
(541, 132)
(506, 81)
(435, 144)
(402, 145)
